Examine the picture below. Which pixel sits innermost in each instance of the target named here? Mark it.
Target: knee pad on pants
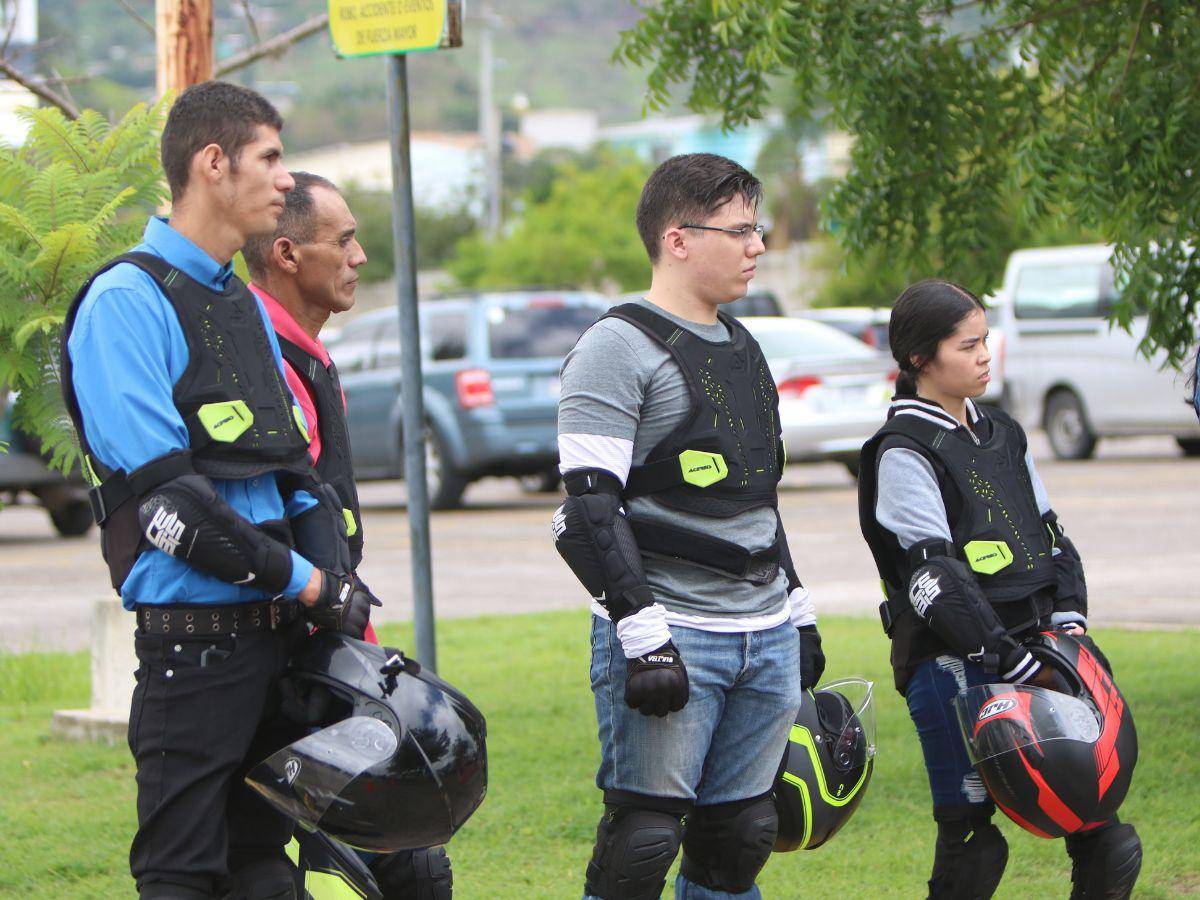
(415, 875)
(969, 860)
(636, 842)
(726, 845)
(1105, 862)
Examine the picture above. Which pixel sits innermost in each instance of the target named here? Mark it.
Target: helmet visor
(852, 736)
(999, 718)
(304, 779)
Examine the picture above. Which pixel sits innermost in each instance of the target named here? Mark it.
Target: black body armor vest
(995, 526)
(335, 465)
(725, 457)
(232, 397)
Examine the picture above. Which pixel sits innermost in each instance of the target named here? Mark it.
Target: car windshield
(537, 330)
(1061, 291)
(806, 340)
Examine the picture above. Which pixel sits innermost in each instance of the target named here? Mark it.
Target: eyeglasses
(744, 232)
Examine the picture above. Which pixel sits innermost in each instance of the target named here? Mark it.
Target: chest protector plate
(996, 529)
(231, 396)
(335, 465)
(726, 456)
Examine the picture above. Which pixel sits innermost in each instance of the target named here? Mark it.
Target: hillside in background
(555, 52)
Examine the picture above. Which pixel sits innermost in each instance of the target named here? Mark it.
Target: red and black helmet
(1055, 762)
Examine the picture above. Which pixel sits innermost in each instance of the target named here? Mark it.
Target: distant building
(572, 129)
(658, 137)
(447, 167)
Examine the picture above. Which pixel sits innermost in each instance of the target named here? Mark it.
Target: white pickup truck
(1065, 368)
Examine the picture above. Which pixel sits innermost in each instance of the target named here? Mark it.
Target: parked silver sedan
(834, 390)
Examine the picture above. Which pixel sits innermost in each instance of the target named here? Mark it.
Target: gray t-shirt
(618, 382)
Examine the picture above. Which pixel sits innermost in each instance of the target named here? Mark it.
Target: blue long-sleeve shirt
(128, 351)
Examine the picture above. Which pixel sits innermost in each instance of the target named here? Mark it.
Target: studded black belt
(267, 615)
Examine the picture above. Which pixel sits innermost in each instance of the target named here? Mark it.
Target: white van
(1066, 369)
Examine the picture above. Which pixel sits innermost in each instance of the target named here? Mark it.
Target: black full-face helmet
(1057, 762)
(827, 764)
(399, 761)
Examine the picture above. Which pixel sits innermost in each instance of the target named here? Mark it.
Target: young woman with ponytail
(943, 478)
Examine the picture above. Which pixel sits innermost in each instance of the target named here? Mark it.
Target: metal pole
(405, 247)
(489, 121)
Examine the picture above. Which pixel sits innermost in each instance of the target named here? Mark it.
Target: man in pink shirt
(303, 274)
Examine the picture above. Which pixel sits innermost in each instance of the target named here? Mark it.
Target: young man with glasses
(702, 637)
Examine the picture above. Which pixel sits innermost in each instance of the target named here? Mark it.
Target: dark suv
(24, 471)
(490, 364)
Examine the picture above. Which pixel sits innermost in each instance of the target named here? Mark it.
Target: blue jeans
(953, 781)
(725, 744)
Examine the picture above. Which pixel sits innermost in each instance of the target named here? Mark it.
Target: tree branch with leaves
(1084, 112)
(53, 90)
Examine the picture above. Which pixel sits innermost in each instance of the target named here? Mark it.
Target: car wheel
(544, 482)
(444, 482)
(1071, 437)
(72, 519)
(1189, 446)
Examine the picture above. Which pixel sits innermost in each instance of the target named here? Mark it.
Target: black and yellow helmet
(827, 764)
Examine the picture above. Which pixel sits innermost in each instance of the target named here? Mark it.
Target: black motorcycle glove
(344, 605)
(812, 659)
(657, 682)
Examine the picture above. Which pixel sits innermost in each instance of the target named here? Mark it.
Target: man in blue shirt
(174, 379)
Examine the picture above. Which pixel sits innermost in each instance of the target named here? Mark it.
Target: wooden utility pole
(184, 37)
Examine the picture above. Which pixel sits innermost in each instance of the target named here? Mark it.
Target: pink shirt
(287, 327)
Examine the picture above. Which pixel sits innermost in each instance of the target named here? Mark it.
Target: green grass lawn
(66, 811)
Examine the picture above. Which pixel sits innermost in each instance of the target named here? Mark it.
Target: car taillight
(868, 337)
(474, 388)
(796, 387)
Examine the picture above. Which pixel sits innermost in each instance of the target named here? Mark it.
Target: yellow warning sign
(369, 27)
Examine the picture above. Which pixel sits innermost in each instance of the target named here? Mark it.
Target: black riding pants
(199, 722)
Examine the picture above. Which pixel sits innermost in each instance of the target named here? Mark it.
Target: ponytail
(906, 382)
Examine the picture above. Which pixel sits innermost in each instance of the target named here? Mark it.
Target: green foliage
(1085, 111)
(579, 233)
(437, 232)
(71, 197)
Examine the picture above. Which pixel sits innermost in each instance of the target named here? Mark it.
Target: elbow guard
(1070, 587)
(947, 598)
(593, 537)
(186, 518)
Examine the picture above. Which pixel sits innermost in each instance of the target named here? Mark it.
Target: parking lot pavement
(1132, 512)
